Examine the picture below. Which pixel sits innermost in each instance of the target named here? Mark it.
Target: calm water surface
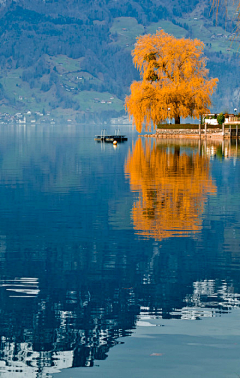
(95, 239)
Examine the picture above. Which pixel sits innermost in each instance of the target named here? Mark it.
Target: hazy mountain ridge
(58, 59)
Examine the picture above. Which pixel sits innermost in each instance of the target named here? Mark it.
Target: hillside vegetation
(73, 58)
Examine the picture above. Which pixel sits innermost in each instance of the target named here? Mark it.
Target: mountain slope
(73, 58)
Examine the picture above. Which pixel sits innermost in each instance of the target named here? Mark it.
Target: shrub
(220, 118)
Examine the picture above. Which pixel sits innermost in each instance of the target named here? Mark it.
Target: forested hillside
(72, 58)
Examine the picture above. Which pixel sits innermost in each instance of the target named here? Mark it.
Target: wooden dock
(233, 129)
(110, 138)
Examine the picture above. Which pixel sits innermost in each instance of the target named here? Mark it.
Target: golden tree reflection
(172, 188)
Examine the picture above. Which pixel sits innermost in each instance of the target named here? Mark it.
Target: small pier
(233, 129)
(110, 138)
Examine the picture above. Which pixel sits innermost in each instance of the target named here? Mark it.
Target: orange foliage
(174, 76)
(172, 190)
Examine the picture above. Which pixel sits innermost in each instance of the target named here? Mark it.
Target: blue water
(95, 237)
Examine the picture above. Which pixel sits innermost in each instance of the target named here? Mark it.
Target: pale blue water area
(118, 261)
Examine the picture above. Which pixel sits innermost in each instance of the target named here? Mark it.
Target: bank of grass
(215, 38)
(168, 27)
(126, 29)
(184, 126)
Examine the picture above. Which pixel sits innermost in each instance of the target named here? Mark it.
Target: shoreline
(191, 133)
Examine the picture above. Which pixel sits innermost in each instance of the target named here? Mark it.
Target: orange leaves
(174, 80)
(171, 55)
(172, 188)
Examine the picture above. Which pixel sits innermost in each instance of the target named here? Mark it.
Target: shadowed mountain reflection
(73, 278)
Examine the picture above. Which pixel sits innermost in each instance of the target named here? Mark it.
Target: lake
(118, 261)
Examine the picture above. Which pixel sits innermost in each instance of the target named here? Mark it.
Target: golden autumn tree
(174, 80)
(172, 188)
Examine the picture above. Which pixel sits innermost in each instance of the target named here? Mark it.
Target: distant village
(28, 117)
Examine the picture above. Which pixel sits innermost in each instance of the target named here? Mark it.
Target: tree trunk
(177, 120)
(177, 151)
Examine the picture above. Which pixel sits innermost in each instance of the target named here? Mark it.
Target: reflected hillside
(52, 158)
(172, 186)
(23, 150)
(73, 278)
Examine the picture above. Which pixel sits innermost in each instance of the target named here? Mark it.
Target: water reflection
(73, 278)
(172, 187)
(226, 149)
